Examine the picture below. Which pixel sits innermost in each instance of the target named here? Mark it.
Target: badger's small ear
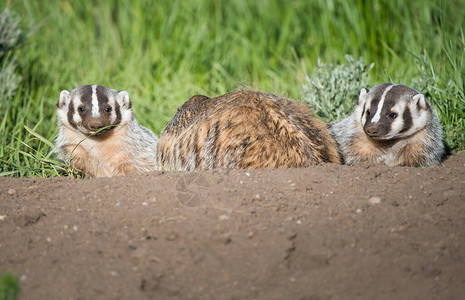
(361, 98)
(64, 98)
(123, 98)
(420, 101)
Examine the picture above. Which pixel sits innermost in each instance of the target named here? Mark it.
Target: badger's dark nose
(371, 129)
(94, 124)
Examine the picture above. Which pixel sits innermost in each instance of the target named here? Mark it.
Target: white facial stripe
(359, 109)
(95, 108)
(380, 105)
(76, 116)
(113, 111)
(363, 119)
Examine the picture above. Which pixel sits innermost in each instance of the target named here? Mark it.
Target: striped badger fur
(126, 148)
(392, 124)
(244, 129)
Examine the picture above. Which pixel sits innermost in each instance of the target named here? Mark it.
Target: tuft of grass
(163, 54)
(447, 94)
(9, 286)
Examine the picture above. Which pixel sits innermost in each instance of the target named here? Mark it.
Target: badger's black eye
(392, 115)
(81, 108)
(368, 112)
(108, 109)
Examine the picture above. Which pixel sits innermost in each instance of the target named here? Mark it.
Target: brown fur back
(244, 129)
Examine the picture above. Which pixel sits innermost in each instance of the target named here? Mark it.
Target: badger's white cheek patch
(95, 108)
(62, 117)
(358, 114)
(76, 117)
(126, 116)
(396, 126)
(111, 101)
(113, 116)
(363, 115)
(422, 119)
(364, 118)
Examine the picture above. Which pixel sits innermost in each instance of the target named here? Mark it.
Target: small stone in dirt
(250, 234)
(374, 200)
(31, 215)
(11, 191)
(138, 255)
(223, 217)
(450, 193)
(292, 236)
(394, 203)
(2, 217)
(225, 240)
(172, 236)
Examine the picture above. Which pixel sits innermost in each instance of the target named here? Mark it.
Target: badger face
(390, 111)
(94, 109)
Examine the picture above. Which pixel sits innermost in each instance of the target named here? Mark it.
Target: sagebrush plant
(9, 78)
(332, 90)
(11, 35)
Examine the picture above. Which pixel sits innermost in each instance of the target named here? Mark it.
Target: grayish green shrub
(9, 79)
(11, 36)
(333, 90)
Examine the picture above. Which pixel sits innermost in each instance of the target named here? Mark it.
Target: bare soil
(325, 232)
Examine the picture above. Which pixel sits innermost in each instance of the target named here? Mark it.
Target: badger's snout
(94, 124)
(375, 130)
(371, 129)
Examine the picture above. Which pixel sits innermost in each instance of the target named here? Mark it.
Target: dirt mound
(326, 232)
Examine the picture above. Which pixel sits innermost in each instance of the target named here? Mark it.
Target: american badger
(124, 147)
(244, 129)
(392, 124)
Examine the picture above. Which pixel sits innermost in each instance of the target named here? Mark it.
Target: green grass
(163, 52)
(9, 286)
